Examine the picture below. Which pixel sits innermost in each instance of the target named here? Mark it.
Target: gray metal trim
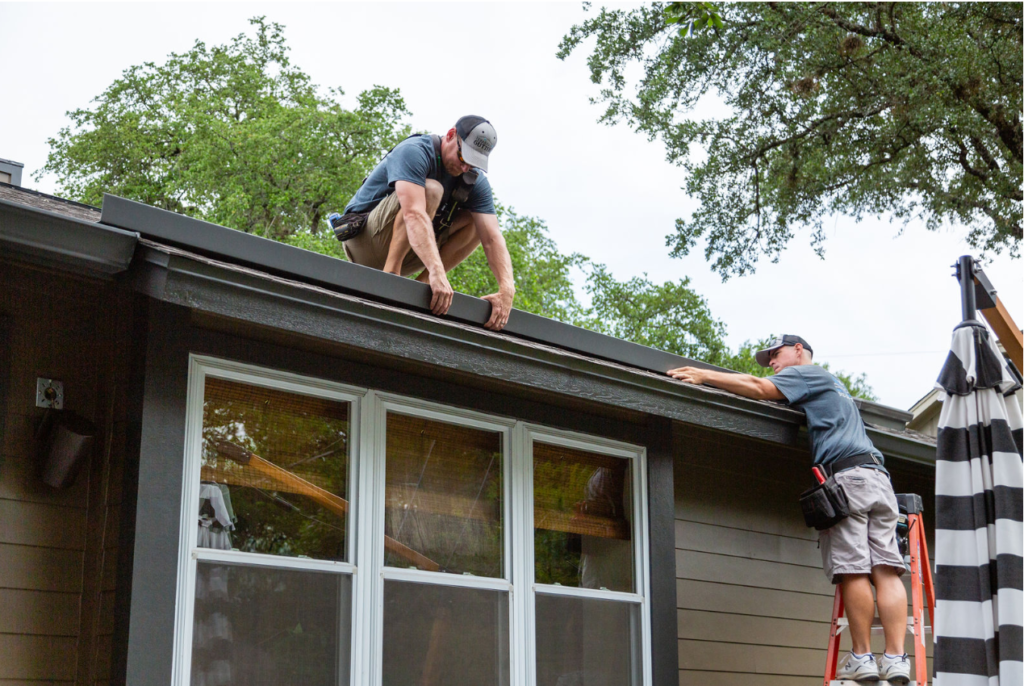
(301, 265)
(46, 238)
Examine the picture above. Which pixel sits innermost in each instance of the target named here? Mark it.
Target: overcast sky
(882, 302)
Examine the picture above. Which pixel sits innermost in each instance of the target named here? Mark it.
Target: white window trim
(384, 403)
(367, 488)
(199, 368)
(637, 455)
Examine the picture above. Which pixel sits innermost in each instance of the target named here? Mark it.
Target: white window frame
(382, 404)
(200, 367)
(365, 525)
(637, 456)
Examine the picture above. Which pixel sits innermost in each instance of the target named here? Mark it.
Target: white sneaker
(894, 669)
(858, 668)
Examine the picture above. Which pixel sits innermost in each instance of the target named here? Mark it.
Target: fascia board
(46, 238)
(290, 262)
(297, 307)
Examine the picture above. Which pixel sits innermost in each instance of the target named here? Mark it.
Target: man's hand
(441, 293)
(692, 375)
(501, 308)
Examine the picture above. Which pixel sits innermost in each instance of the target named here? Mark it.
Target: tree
(233, 134)
(912, 109)
(543, 275)
(670, 316)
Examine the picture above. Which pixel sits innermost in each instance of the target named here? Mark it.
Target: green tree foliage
(911, 109)
(543, 275)
(233, 134)
(670, 316)
(743, 361)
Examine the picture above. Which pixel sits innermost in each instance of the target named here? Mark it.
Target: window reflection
(582, 518)
(274, 472)
(270, 627)
(443, 508)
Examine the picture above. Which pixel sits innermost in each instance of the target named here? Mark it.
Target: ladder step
(876, 626)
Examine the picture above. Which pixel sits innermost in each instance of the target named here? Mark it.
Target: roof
(176, 256)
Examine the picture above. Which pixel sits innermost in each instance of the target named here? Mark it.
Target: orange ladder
(921, 588)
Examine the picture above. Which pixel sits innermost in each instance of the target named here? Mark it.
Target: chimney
(10, 172)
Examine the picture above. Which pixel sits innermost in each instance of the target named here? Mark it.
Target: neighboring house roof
(186, 261)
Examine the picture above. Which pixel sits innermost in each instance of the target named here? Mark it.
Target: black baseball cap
(764, 356)
(478, 139)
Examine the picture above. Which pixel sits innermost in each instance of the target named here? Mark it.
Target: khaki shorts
(867, 538)
(370, 248)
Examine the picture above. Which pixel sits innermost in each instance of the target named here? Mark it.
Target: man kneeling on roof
(426, 208)
(860, 550)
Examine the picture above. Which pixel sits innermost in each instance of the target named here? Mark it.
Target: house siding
(751, 597)
(58, 547)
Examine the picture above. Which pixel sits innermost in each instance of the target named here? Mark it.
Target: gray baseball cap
(764, 357)
(478, 139)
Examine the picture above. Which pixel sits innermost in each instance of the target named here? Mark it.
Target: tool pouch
(349, 225)
(824, 505)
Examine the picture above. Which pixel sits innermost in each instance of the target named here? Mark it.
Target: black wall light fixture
(66, 439)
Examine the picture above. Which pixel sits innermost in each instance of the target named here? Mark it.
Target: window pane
(587, 642)
(443, 509)
(272, 627)
(445, 636)
(582, 519)
(275, 472)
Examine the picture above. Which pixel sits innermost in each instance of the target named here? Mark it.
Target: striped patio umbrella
(979, 536)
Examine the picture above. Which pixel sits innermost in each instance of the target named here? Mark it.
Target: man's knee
(434, 191)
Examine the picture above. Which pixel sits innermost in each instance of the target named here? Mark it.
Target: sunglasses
(459, 141)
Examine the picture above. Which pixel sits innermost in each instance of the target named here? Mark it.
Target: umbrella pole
(965, 275)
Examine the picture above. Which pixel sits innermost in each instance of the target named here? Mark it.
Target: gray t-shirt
(413, 160)
(833, 421)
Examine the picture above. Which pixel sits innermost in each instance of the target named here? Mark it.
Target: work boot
(894, 669)
(861, 668)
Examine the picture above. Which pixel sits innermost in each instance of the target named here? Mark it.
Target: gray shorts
(867, 538)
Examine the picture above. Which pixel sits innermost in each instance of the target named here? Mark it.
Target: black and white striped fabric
(979, 536)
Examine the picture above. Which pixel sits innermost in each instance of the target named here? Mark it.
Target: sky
(882, 302)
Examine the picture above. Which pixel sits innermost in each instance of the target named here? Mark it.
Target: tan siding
(752, 599)
(36, 657)
(54, 543)
(35, 612)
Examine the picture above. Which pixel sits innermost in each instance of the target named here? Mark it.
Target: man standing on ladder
(861, 549)
(426, 208)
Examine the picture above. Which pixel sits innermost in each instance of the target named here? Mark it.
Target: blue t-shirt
(413, 160)
(833, 421)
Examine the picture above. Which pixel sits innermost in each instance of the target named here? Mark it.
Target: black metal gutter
(46, 238)
(279, 259)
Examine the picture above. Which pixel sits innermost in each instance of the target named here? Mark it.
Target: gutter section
(294, 263)
(46, 238)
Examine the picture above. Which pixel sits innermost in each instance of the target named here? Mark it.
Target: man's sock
(857, 656)
(893, 657)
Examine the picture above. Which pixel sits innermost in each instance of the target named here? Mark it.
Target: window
(336, 535)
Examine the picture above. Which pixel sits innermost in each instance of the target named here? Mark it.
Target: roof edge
(44, 237)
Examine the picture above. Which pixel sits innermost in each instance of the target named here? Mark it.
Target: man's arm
(741, 384)
(420, 230)
(498, 259)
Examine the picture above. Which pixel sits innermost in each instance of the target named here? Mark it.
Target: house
(297, 475)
